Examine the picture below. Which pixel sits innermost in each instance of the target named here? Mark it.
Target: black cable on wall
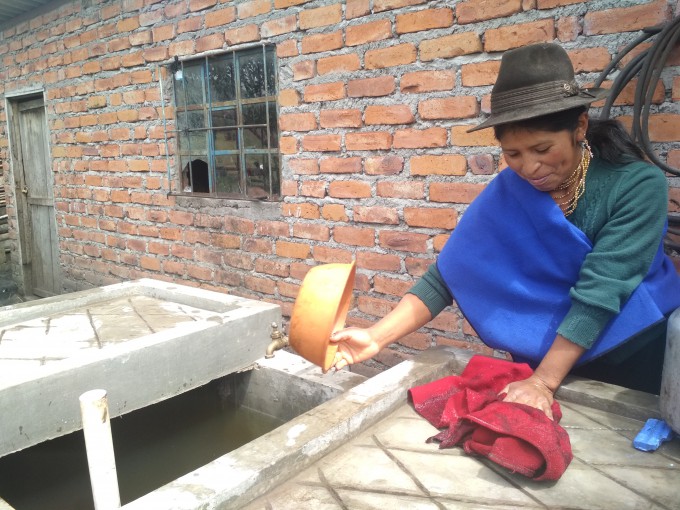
(647, 66)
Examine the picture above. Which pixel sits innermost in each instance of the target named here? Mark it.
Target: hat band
(533, 95)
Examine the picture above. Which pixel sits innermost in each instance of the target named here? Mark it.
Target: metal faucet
(279, 341)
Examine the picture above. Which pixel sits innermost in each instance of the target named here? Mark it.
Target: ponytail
(611, 142)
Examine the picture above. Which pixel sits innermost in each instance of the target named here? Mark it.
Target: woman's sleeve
(623, 251)
(432, 291)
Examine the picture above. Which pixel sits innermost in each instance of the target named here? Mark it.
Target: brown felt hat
(535, 80)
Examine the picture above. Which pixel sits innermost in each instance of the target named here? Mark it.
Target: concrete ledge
(238, 477)
(609, 397)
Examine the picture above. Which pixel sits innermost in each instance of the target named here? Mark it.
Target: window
(227, 133)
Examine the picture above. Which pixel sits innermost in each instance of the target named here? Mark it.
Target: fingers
(339, 336)
(531, 395)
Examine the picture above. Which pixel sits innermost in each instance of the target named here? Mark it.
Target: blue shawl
(511, 262)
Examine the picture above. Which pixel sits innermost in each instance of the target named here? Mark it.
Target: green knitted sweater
(622, 211)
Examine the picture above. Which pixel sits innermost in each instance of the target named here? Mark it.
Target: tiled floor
(390, 466)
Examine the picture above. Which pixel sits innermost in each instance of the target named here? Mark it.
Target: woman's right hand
(354, 346)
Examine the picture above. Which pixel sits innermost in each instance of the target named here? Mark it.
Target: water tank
(670, 381)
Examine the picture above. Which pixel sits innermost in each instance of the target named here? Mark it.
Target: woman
(560, 260)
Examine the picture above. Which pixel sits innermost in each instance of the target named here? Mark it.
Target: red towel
(516, 436)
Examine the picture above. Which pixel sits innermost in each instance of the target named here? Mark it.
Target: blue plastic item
(652, 435)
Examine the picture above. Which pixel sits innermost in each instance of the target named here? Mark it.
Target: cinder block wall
(375, 98)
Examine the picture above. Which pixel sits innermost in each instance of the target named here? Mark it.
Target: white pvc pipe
(94, 410)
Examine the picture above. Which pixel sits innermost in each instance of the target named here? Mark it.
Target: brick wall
(375, 99)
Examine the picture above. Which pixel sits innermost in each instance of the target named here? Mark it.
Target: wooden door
(40, 230)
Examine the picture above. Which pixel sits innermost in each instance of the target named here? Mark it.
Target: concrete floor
(390, 466)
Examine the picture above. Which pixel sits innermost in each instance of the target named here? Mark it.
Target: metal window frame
(268, 53)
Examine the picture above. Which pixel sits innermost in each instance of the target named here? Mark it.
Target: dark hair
(608, 138)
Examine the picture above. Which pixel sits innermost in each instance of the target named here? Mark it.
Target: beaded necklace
(578, 177)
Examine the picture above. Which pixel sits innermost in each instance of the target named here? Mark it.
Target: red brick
(338, 64)
(199, 5)
(482, 73)
(313, 232)
(386, 5)
(288, 145)
(472, 11)
(664, 127)
(150, 263)
(274, 27)
(627, 95)
(193, 24)
(297, 122)
(317, 43)
(400, 54)
(426, 19)
(253, 246)
(481, 164)
(392, 114)
(371, 87)
(403, 241)
(368, 32)
(340, 165)
(391, 286)
(283, 4)
(550, 4)
(304, 166)
(386, 165)
(377, 262)
(261, 285)
(458, 107)
(182, 48)
(272, 267)
(457, 193)
(626, 19)
(368, 140)
(303, 70)
(517, 35)
(287, 48)
(447, 164)
(243, 34)
(221, 17)
(400, 189)
(349, 189)
(325, 254)
(354, 236)
(316, 189)
(450, 46)
(292, 250)
(357, 8)
(568, 29)
(163, 33)
(484, 138)
(382, 215)
(420, 138)
(321, 143)
(324, 92)
(321, 16)
(300, 210)
(427, 81)
(429, 217)
(590, 59)
(334, 212)
(340, 118)
(289, 97)
(128, 24)
(253, 8)
(209, 42)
